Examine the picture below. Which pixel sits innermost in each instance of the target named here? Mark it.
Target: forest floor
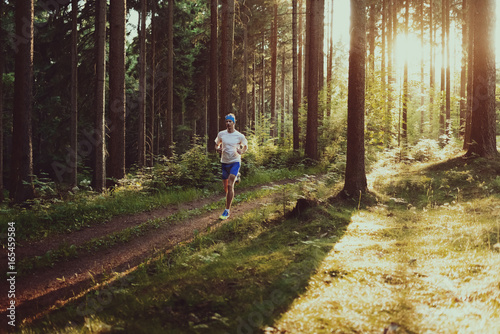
(50, 287)
(419, 254)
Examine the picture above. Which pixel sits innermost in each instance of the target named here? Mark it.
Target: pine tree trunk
(2, 69)
(274, 60)
(448, 74)
(117, 115)
(74, 93)
(99, 179)
(313, 52)
(406, 96)
(355, 176)
(22, 156)
(470, 72)
(283, 107)
(244, 110)
(483, 122)
(463, 71)
(152, 110)
(141, 140)
(227, 35)
(432, 69)
(442, 113)
(169, 140)
(213, 109)
(295, 88)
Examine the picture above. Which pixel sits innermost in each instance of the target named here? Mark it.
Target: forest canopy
(109, 88)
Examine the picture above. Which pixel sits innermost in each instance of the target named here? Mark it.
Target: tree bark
(2, 70)
(274, 60)
(313, 53)
(99, 179)
(22, 154)
(74, 93)
(169, 140)
(406, 96)
(117, 113)
(355, 176)
(295, 88)
(213, 116)
(470, 71)
(483, 122)
(227, 34)
(141, 140)
(150, 144)
(463, 71)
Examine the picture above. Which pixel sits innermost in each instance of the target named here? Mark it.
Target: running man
(231, 144)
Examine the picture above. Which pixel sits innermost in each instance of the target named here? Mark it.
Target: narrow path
(48, 288)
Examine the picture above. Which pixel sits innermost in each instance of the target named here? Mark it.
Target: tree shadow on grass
(240, 285)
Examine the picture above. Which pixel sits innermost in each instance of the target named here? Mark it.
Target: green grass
(239, 275)
(423, 254)
(44, 218)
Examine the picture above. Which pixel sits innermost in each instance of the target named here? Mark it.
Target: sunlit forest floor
(419, 254)
(426, 266)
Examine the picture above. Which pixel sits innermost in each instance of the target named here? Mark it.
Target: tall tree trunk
(253, 112)
(432, 69)
(321, 55)
(22, 156)
(74, 93)
(283, 106)
(463, 71)
(263, 81)
(300, 63)
(213, 109)
(169, 140)
(371, 38)
(117, 89)
(2, 70)
(244, 109)
(390, 75)
(442, 113)
(313, 53)
(274, 60)
(99, 179)
(448, 74)
(295, 88)
(329, 72)
(406, 96)
(355, 175)
(152, 110)
(470, 77)
(141, 140)
(483, 122)
(383, 65)
(227, 35)
(422, 67)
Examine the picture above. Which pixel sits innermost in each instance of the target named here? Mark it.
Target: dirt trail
(47, 288)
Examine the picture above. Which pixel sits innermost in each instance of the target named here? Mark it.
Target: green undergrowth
(419, 254)
(84, 209)
(240, 275)
(65, 252)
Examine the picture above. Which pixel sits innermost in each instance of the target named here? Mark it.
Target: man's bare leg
(230, 191)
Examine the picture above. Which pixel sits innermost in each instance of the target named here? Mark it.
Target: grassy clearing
(425, 258)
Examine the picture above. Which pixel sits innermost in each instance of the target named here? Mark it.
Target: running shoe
(225, 215)
(238, 178)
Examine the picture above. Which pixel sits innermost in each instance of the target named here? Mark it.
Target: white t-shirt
(230, 143)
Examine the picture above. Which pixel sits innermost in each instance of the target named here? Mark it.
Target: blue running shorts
(228, 169)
